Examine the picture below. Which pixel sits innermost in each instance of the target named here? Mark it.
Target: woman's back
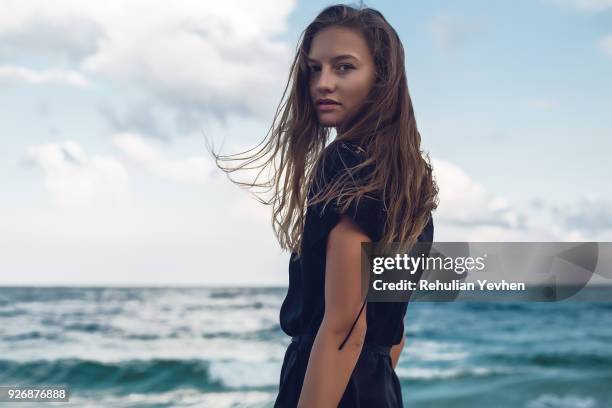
(303, 308)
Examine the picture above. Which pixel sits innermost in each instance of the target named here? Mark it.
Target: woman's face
(341, 69)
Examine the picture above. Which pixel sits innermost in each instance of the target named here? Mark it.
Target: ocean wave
(33, 335)
(430, 350)
(565, 401)
(155, 375)
(437, 373)
(89, 327)
(177, 398)
(552, 359)
(13, 312)
(269, 333)
(241, 374)
(489, 306)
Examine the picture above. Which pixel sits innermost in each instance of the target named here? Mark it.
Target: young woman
(370, 184)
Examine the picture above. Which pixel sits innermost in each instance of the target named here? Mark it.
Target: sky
(105, 175)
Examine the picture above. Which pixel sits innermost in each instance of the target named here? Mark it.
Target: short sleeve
(366, 211)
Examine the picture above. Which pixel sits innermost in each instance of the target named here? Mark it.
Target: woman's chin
(328, 121)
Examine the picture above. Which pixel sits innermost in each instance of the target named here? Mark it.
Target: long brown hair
(384, 127)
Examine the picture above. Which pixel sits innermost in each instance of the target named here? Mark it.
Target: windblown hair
(385, 127)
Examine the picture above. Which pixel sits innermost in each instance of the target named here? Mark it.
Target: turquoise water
(207, 347)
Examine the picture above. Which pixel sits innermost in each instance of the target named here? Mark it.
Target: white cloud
(468, 212)
(196, 170)
(76, 180)
(219, 234)
(47, 76)
(210, 57)
(196, 233)
(463, 201)
(606, 45)
(592, 214)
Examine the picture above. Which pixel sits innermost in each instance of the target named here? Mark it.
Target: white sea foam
(116, 350)
(562, 401)
(435, 373)
(183, 398)
(430, 350)
(236, 373)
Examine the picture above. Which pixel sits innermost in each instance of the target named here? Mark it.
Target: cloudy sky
(105, 175)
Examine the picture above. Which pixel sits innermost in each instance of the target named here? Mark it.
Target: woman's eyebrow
(336, 58)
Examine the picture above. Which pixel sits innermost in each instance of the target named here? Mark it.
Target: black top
(304, 305)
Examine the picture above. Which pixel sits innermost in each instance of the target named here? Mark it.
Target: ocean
(223, 347)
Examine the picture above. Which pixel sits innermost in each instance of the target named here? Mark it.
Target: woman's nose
(325, 80)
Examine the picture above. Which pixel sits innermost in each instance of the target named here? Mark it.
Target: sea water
(223, 347)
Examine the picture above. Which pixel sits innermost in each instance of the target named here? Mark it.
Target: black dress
(373, 382)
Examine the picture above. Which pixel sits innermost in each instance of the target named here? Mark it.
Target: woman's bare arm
(396, 350)
(329, 369)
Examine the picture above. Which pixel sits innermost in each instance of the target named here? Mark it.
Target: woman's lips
(327, 106)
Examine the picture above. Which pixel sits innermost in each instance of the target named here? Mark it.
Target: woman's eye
(347, 66)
